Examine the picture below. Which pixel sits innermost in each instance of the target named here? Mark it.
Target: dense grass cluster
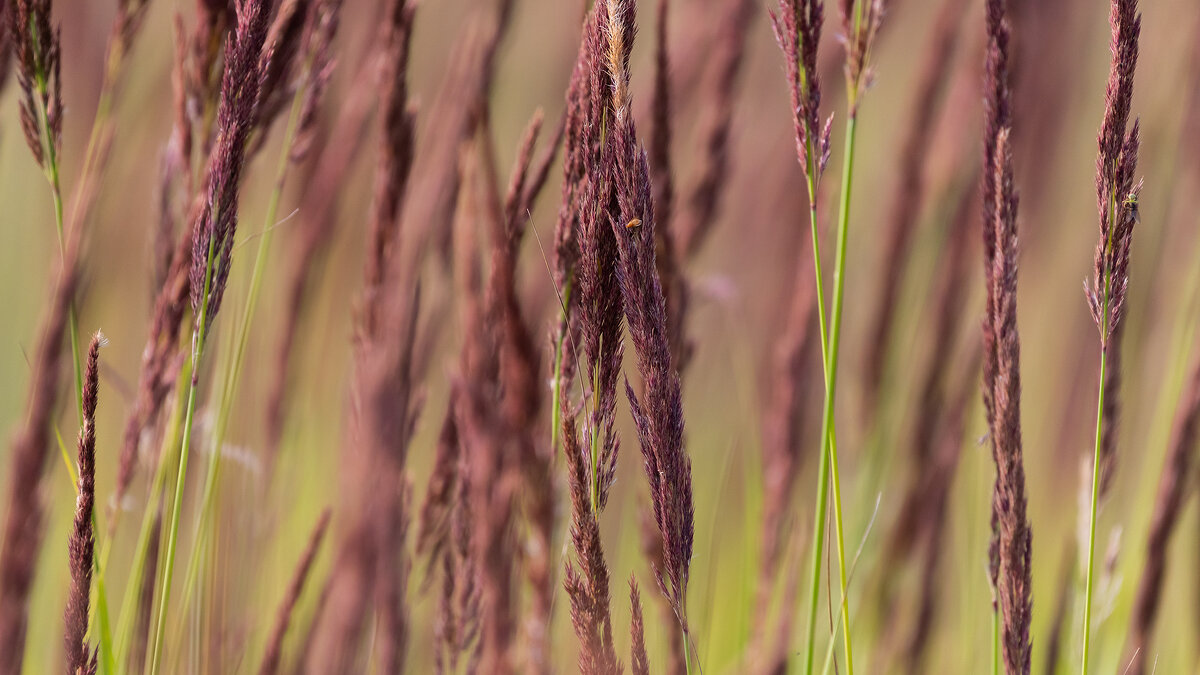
(454, 496)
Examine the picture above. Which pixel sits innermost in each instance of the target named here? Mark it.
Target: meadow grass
(420, 341)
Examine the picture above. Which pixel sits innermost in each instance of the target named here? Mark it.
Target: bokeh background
(742, 279)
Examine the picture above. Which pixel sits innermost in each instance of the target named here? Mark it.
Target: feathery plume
(126, 23)
(797, 26)
(435, 521)
(278, 63)
(202, 81)
(600, 299)
(511, 219)
(1116, 201)
(860, 24)
(587, 587)
(82, 541)
(1014, 543)
(487, 437)
(583, 118)
(519, 382)
(670, 266)
(457, 624)
(371, 559)
(660, 127)
(639, 663)
(212, 248)
(323, 22)
(658, 413)
(585, 255)
(35, 41)
(997, 108)
(396, 152)
(454, 114)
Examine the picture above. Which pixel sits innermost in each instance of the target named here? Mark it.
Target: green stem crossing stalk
(830, 344)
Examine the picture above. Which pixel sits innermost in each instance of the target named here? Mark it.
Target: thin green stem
(233, 373)
(839, 271)
(595, 440)
(828, 468)
(53, 177)
(100, 616)
(555, 393)
(995, 640)
(133, 586)
(687, 652)
(1087, 602)
(53, 173)
(818, 551)
(1105, 335)
(198, 335)
(823, 468)
(556, 385)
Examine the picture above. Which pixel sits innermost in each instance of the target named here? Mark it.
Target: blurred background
(742, 285)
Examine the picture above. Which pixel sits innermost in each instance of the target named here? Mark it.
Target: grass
(215, 523)
(1105, 333)
(199, 333)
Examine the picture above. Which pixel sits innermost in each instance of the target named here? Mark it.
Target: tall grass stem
(1105, 334)
(198, 335)
(830, 343)
(1087, 602)
(233, 373)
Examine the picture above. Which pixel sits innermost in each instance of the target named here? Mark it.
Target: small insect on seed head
(1131, 201)
(633, 224)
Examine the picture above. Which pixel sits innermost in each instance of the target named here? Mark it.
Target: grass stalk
(687, 651)
(830, 343)
(1087, 602)
(556, 384)
(1105, 333)
(128, 615)
(834, 344)
(995, 640)
(52, 173)
(234, 370)
(199, 333)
